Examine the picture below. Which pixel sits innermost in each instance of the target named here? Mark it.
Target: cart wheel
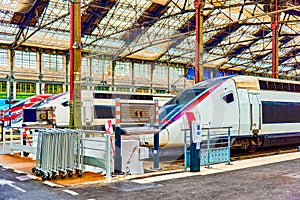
(54, 176)
(33, 170)
(44, 177)
(49, 176)
(70, 174)
(63, 176)
(26, 154)
(79, 173)
(38, 173)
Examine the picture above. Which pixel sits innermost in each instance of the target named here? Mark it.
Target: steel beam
(75, 65)
(274, 26)
(199, 5)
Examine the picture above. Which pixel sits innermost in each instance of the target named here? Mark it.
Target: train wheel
(251, 148)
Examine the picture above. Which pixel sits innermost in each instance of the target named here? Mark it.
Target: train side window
(279, 86)
(292, 87)
(297, 88)
(271, 86)
(286, 87)
(228, 98)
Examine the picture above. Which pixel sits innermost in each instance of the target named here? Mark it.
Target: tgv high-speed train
(261, 111)
(97, 106)
(14, 116)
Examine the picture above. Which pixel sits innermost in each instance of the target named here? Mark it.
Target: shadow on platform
(25, 164)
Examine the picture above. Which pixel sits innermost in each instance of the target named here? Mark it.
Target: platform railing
(97, 152)
(215, 145)
(17, 142)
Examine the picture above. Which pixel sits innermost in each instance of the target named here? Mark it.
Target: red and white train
(261, 111)
(13, 116)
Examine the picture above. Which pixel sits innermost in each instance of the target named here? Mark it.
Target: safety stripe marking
(51, 184)
(71, 192)
(25, 177)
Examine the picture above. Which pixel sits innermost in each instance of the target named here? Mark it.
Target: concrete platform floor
(25, 164)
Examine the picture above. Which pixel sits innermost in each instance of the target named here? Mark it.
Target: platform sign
(196, 133)
(194, 126)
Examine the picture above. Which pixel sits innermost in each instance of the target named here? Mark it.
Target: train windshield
(187, 95)
(183, 99)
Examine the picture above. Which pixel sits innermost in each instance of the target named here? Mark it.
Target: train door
(255, 112)
(244, 112)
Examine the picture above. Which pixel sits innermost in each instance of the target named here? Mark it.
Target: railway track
(242, 155)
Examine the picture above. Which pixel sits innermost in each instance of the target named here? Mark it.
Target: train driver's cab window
(228, 98)
(297, 88)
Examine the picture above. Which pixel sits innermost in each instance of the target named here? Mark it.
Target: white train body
(258, 113)
(97, 106)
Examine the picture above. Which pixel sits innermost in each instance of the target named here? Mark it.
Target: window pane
(53, 62)
(122, 69)
(25, 59)
(3, 57)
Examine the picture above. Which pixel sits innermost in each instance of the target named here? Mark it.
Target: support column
(152, 68)
(132, 77)
(274, 26)
(68, 64)
(75, 77)
(113, 66)
(71, 120)
(199, 5)
(91, 74)
(40, 90)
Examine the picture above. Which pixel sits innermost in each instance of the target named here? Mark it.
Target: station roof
(237, 33)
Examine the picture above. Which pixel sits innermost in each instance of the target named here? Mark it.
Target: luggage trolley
(59, 153)
(44, 155)
(38, 160)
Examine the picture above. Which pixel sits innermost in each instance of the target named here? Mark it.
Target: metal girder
(148, 18)
(41, 27)
(30, 18)
(94, 13)
(218, 38)
(290, 54)
(261, 33)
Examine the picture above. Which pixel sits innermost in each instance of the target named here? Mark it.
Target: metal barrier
(97, 152)
(131, 115)
(16, 141)
(215, 147)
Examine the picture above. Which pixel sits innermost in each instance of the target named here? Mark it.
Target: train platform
(25, 164)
